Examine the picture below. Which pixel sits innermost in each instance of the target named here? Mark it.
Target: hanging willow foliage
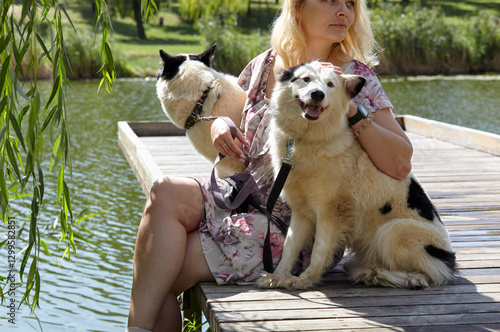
(24, 119)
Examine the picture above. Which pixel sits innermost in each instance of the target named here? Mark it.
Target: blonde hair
(288, 40)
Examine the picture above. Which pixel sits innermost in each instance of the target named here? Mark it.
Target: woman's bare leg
(165, 241)
(194, 270)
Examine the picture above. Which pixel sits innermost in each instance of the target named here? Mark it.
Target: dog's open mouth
(311, 111)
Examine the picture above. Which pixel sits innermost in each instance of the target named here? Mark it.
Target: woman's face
(327, 20)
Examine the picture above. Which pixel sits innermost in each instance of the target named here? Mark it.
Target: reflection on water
(92, 292)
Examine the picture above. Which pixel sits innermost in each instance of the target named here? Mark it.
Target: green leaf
(67, 199)
(42, 44)
(55, 152)
(15, 125)
(4, 42)
(19, 90)
(80, 219)
(3, 72)
(67, 16)
(45, 248)
(60, 182)
(3, 105)
(3, 187)
(24, 261)
(49, 117)
(42, 184)
(55, 90)
(12, 158)
(23, 112)
(37, 292)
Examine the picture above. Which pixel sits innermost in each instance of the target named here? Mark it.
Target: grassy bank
(442, 37)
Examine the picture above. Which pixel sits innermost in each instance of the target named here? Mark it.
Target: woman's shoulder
(356, 67)
(260, 59)
(256, 65)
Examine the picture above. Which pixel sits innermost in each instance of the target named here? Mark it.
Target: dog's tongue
(314, 111)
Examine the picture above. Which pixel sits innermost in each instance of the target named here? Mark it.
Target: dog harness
(195, 116)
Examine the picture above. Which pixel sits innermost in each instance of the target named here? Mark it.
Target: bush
(234, 49)
(84, 56)
(193, 10)
(419, 40)
(484, 30)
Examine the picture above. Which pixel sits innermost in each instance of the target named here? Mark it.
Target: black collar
(198, 108)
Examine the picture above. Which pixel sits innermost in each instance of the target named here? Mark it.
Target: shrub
(234, 49)
(84, 56)
(419, 40)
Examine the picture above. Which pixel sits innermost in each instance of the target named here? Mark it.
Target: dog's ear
(207, 56)
(353, 84)
(171, 65)
(287, 75)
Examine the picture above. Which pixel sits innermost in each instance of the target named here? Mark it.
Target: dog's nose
(317, 95)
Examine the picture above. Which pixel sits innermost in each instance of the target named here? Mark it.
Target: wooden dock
(459, 168)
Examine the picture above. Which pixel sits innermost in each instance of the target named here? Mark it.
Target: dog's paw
(287, 281)
(299, 283)
(417, 281)
(267, 280)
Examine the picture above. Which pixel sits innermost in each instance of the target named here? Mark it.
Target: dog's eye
(306, 79)
(330, 85)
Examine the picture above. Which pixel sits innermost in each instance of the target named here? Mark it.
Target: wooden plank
(466, 137)
(329, 324)
(144, 166)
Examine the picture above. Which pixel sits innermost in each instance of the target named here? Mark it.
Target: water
(469, 101)
(92, 292)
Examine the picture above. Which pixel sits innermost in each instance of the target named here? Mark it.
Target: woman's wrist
(359, 127)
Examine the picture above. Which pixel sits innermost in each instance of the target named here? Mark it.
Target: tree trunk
(138, 19)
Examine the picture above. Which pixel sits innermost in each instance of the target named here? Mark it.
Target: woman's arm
(385, 142)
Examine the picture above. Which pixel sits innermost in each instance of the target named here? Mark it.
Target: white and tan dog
(186, 84)
(338, 197)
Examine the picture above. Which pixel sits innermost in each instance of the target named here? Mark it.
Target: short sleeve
(372, 96)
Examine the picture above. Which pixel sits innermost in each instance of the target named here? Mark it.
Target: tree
(138, 20)
(24, 120)
(133, 8)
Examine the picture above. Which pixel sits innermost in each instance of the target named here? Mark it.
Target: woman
(184, 238)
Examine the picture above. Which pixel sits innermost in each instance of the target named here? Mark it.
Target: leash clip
(286, 160)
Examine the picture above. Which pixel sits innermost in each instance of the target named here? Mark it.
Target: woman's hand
(336, 70)
(223, 141)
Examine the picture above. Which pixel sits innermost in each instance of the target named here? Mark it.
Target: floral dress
(233, 242)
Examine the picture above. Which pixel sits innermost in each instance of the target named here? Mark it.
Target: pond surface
(92, 292)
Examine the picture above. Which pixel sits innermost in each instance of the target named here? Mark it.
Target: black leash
(279, 183)
(249, 183)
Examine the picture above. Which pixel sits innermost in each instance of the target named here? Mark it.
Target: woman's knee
(178, 198)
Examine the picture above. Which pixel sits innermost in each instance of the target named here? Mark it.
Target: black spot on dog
(171, 65)
(448, 258)
(418, 200)
(287, 74)
(206, 56)
(386, 208)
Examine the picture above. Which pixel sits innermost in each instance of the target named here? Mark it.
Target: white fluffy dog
(339, 199)
(189, 89)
